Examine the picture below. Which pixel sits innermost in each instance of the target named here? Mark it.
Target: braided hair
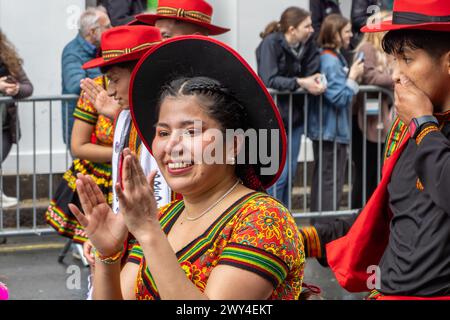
(217, 101)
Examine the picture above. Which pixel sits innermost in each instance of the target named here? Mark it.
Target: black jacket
(25, 90)
(320, 9)
(360, 13)
(279, 69)
(123, 11)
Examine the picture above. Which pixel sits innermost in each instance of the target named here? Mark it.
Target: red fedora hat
(433, 15)
(125, 43)
(198, 12)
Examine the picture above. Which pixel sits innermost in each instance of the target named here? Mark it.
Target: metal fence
(303, 211)
(302, 189)
(29, 210)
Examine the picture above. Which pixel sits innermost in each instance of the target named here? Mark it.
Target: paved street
(29, 267)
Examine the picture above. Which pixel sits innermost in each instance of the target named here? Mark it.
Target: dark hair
(124, 65)
(291, 17)
(435, 43)
(332, 25)
(217, 100)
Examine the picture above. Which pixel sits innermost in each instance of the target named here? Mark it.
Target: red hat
(433, 15)
(195, 56)
(125, 43)
(198, 12)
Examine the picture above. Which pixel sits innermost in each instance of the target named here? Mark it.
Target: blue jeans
(280, 189)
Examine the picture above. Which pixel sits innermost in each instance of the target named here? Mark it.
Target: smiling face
(119, 83)
(178, 142)
(424, 58)
(431, 75)
(345, 36)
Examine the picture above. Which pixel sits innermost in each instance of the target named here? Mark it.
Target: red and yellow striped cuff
(311, 242)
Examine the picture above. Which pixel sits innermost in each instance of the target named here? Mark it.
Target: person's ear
(291, 29)
(233, 149)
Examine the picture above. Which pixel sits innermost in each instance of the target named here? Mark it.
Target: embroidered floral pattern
(257, 234)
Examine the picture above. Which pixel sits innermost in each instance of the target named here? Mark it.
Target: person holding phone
(288, 59)
(377, 72)
(13, 83)
(331, 134)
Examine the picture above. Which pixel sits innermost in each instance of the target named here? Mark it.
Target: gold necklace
(213, 205)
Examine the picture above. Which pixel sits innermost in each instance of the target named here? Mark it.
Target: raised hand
(410, 101)
(103, 103)
(106, 230)
(137, 201)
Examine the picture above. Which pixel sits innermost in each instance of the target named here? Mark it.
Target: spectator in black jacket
(287, 60)
(320, 9)
(13, 83)
(121, 12)
(361, 11)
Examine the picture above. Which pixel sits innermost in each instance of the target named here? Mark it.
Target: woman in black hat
(227, 239)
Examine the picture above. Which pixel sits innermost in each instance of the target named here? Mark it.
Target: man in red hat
(182, 17)
(400, 243)
(121, 47)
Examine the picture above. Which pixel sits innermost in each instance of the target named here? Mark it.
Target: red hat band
(111, 54)
(181, 13)
(197, 12)
(125, 43)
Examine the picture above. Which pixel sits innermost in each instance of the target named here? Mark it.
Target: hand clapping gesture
(138, 208)
(102, 102)
(137, 201)
(106, 230)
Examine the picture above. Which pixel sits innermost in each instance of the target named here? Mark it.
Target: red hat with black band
(198, 12)
(197, 56)
(432, 15)
(125, 43)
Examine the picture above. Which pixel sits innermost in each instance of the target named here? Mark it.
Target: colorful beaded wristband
(113, 259)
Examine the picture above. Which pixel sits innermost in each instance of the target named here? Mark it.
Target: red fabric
(182, 6)
(128, 41)
(426, 7)
(435, 8)
(381, 297)
(364, 244)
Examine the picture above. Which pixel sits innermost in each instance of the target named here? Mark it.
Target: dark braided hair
(217, 101)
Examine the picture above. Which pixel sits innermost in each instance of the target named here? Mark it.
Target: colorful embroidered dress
(58, 214)
(256, 233)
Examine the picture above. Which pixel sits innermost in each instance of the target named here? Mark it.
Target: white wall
(246, 19)
(40, 30)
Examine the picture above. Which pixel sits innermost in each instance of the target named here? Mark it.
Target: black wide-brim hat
(195, 56)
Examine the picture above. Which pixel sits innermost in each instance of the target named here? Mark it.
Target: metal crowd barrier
(304, 211)
(300, 213)
(48, 102)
